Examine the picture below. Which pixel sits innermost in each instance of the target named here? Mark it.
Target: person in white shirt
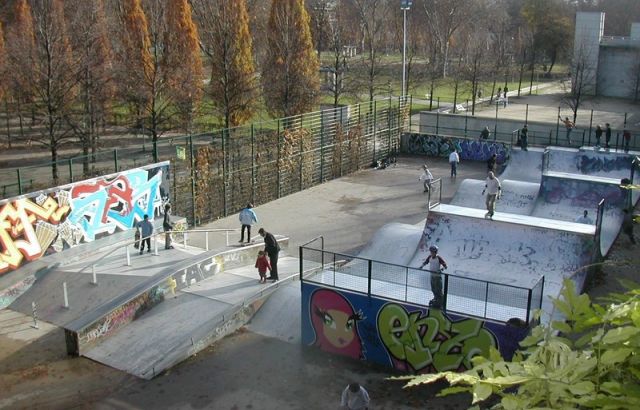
(436, 264)
(454, 158)
(354, 397)
(427, 176)
(493, 188)
(584, 219)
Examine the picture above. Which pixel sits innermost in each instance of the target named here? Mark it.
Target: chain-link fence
(215, 174)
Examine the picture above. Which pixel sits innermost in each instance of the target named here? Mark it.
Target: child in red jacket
(262, 263)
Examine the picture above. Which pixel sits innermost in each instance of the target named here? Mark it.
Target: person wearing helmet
(427, 176)
(436, 264)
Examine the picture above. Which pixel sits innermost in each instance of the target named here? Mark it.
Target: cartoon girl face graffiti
(335, 324)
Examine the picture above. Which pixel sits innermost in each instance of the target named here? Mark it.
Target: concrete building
(610, 65)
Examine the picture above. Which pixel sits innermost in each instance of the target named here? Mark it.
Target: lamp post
(404, 6)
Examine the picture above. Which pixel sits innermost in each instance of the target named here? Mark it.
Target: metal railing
(126, 245)
(462, 295)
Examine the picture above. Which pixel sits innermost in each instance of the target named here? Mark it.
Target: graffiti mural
(401, 336)
(588, 164)
(121, 316)
(429, 341)
(581, 194)
(468, 149)
(50, 221)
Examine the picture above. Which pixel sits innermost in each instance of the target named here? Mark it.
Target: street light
(404, 5)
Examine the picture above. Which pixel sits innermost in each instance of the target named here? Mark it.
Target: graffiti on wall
(121, 316)
(419, 341)
(63, 217)
(468, 149)
(588, 164)
(404, 337)
(581, 194)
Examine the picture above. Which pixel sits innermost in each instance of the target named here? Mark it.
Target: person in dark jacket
(272, 249)
(607, 135)
(167, 226)
(598, 135)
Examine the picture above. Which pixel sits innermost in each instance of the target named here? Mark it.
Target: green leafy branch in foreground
(588, 361)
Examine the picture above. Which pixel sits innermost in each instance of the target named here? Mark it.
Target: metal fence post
(375, 126)
(590, 126)
(389, 128)
(224, 172)
(253, 164)
(557, 125)
(369, 266)
(446, 291)
(193, 182)
(529, 296)
(19, 181)
(410, 109)
(278, 158)
(526, 113)
(115, 159)
(70, 163)
(437, 120)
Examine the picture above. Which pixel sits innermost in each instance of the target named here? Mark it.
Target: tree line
(68, 66)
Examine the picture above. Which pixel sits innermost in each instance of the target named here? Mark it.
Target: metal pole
(115, 158)
(155, 245)
(206, 241)
(70, 169)
(404, 53)
(526, 115)
(128, 256)
(93, 274)
(19, 181)
(253, 165)
(495, 128)
(193, 183)
(66, 296)
(590, 126)
(557, 125)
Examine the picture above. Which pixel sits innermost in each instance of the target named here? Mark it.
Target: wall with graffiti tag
(44, 222)
(441, 146)
(400, 336)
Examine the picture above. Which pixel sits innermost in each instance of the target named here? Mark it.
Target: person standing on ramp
(272, 249)
(247, 218)
(493, 188)
(436, 264)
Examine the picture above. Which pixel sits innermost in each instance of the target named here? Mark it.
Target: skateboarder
(493, 189)
(607, 135)
(427, 176)
(454, 159)
(491, 163)
(436, 264)
(247, 218)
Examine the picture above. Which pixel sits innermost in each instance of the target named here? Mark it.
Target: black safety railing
(462, 295)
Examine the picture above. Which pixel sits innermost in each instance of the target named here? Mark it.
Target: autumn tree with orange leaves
(20, 49)
(226, 41)
(183, 61)
(290, 76)
(92, 51)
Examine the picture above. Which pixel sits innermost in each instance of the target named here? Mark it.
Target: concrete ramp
(517, 197)
(182, 326)
(402, 236)
(565, 197)
(524, 165)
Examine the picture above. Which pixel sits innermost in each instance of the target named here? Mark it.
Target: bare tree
(445, 18)
(582, 83)
(372, 15)
(55, 81)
